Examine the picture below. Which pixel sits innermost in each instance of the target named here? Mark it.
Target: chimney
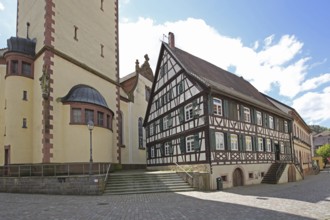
(171, 41)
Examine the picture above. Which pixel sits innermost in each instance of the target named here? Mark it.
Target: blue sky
(281, 46)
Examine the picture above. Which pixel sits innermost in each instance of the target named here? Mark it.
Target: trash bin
(219, 183)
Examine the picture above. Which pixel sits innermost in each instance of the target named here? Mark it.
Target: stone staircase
(137, 182)
(274, 173)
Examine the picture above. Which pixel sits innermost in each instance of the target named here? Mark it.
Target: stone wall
(64, 185)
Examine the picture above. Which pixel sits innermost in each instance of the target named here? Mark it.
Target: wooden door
(292, 174)
(238, 178)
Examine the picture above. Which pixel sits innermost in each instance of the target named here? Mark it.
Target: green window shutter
(254, 143)
(210, 105)
(265, 120)
(162, 150)
(197, 145)
(241, 142)
(212, 140)
(253, 116)
(181, 114)
(171, 148)
(170, 120)
(228, 142)
(161, 124)
(170, 94)
(225, 108)
(241, 110)
(183, 145)
(195, 115)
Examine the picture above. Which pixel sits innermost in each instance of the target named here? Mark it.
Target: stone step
(148, 190)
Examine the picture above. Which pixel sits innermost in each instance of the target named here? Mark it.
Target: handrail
(280, 169)
(183, 169)
(106, 175)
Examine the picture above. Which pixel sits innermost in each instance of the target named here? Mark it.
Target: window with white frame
(165, 123)
(268, 145)
(151, 129)
(286, 128)
(189, 112)
(282, 147)
(217, 106)
(248, 143)
(260, 144)
(219, 141)
(247, 115)
(190, 143)
(152, 152)
(259, 118)
(167, 148)
(233, 142)
(271, 122)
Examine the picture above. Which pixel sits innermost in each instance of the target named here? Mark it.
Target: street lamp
(90, 126)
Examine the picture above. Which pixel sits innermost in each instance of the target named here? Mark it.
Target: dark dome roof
(86, 94)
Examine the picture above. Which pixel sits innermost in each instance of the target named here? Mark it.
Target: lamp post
(90, 126)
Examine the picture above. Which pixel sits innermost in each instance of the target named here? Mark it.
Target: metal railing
(65, 169)
(183, 170)
(107, 174)
(279, 171)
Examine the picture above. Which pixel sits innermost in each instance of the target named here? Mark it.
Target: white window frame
(260, 144)
(271, 122)
(188, 112)
(152, 152)
(167, 149)
(217, 106)
(247, 114)
(259, 118)
(268, 145)
(219, 141)
(234, 142)
(248, 143)
(165, 123)
(190, 143)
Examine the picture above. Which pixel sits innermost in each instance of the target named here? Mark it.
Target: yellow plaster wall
(126, 126)
(71, 141)
(19, 138)
(32, 11)
(2, 110)
(97, 28)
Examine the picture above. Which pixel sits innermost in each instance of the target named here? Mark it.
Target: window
(260, 144)
(190, 143)
(14, 67)
(271, 122)
(233, 142)
(24, 123)
(189, 112)
(181, 87)
(247, 115)
(286, 128)
(259, 118)
(219, 141)
(282, 147)
(152, 152)
(151, 129)
(163, 70)
(217, 107)
(248, 143)
(140, 131)
(76, 115)
(26, 69)
(100, 119)
(268, 145)
(102, 47)
(165, 123)
(147, 93)
(25, 95)
(167, 148)
(75, 36)
(89, 115)
(250, 175)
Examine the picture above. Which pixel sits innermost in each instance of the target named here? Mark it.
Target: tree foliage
(324, 152)
(317, 128)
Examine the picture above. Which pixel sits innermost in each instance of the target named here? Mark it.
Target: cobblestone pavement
(308, 199)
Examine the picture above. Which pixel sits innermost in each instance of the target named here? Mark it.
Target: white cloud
(273, 63)
(314, 107)
(2, 7)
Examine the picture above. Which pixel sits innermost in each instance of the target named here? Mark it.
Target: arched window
(140, 129)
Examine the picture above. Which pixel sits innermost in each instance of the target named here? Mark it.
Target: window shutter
(161, 125)
(225, 108)
(183, 145)
(181, 114)
(241, 110)
(241, 142)
(171, 148)
(265, 120)
(148, 152)
(169, 120)
(162, 150)
(254, 143)
(210, 105)
(253, 116)
(195, 114)
(212, 140)
(228, 142)
(197, 145)
(170, 94)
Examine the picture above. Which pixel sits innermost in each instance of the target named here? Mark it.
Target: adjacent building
(208, 120)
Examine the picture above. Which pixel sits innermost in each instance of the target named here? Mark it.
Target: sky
(282, 47)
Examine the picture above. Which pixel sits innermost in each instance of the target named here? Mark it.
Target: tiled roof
(216, 77)
(86, 94)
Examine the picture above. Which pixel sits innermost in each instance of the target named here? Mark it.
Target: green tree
(324, 152)
(318, 129)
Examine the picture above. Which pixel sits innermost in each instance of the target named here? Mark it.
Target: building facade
(58, 72)
(208, 120)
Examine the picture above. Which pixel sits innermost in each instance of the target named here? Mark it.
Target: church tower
(62, 70)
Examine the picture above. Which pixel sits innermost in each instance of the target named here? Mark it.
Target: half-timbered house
(205, 119)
